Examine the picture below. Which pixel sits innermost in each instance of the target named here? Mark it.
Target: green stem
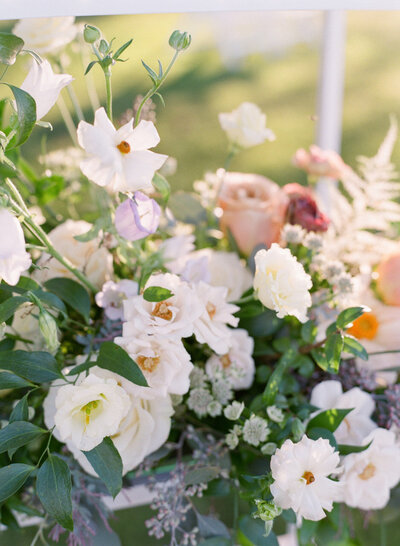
(154, 89)
(69, 122)
(231, 154)
(107, 74)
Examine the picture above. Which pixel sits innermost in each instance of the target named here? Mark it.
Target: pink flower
(253, 209)
(303, 209)
(138, 217)
(388, 281)
(319, 162)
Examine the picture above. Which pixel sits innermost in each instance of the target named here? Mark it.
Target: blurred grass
(200, 86)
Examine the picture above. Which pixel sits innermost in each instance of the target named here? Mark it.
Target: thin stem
(154, 89)
(69, 122)
(72, 94)
(231, 154)
(107, 74)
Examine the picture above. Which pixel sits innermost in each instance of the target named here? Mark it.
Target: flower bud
(137, 218)
(298, 429)
(180, 40)
(303, 209)
(91, 34)
(48, 328)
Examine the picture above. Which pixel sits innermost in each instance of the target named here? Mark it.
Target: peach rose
(319, 162)
(254, 209)
(388, 281)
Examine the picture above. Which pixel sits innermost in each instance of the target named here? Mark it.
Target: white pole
(331, 90)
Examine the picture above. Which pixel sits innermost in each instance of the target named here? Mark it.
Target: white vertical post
(331, 91)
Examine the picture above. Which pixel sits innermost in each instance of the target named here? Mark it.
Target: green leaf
(53, 487)
(318, 432)
(349, 315)
(8, 307)
(320, 359)
(329, 419)
(114, 358)
(24, 284)
(72, 293)
(35, 366)
(106, 461)
(51, 300)
(26, 113)
(151, 73)
(161, 185)
(254, 531)
(216, 541)
(333, 351)
(120, 50)
(202, 475)
(309, 331)
(82, 367)
(90, 66)
(18, 434)
(12, 478)
(187, 208)
(210, 526)
(10, 381)
(21, 410)
(353, 346)
(157, 293)
(10, 46)
(49, 188)
(272, 388)
(347, 449)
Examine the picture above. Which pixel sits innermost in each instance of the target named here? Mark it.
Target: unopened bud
(48, 328)
(91, 34)
(180, 40)
(298, 429)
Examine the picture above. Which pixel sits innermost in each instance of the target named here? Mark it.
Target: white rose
(14, 259)
(246, 126)
(46, 34)
(368, 476)
(237, 365)
(281, 283)
(164, 362)
(94, 261)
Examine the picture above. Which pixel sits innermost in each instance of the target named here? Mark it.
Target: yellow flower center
(365, 327)
(161, 310)
(225, 361)
(124, 147)
(309, 477)
(88, 408)
(368, 472)
(148, 363)
(211, 310)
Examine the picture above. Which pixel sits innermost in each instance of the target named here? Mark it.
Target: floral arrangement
(237, 341)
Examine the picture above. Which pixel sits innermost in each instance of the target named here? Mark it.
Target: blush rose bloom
(319, 162)
(94, 261)
(303, 209)
(253, 209)
(388, 281)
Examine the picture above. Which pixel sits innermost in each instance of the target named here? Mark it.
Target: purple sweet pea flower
(138, 217)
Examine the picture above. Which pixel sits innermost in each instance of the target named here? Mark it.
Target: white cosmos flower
(173, 317)
(301, 477)
(14, 259)
(358, 423)
(281, 282)
(164, 362)
(246, 126)
(211, 326)
(93, 260)
(144, 428)
(237, 365)
(119, 160)
(112, 296)
(368, 476)
(46, 34)
(44, 86)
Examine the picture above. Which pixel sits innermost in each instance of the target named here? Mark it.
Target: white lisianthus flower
(281, 283)
(301, 477)
(112, 296)
(358, 423)
(368, 476)
(144, 428)
(46, 34)
(237, 364)
(94, 261)
(89, 411)
(246, 126)
(44, 86)
(14, 259)
(211, 326)
(165, 363)
(173, 317)
(119, 160)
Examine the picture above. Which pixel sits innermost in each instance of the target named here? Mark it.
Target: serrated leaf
(18, 434)
(114, 358)
(106, 461)
(10, 381)
(161, 185)
(157, 294)
(35, 366)
(72, 293)
(349, 315)
(202, 475)
(333, 351)
(353, 346)
(53, 487)
(10, 46)
(12, 478)
(26, 113)
(329, 419)
(9, 306)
